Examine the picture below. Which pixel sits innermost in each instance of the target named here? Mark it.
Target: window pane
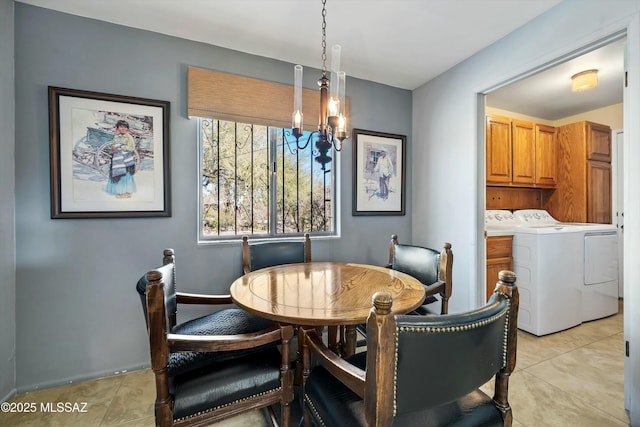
(239, 193)
(209, 190)
(303, 189)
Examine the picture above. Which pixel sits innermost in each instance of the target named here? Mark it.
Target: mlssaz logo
(63, 407)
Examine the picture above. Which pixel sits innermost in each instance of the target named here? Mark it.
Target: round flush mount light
(584, 80)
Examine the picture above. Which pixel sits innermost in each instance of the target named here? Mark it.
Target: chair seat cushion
(224, 382)
(230, 321)
(334, 404)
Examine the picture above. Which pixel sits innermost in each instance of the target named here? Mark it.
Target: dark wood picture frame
(96, 174)
(379, 173)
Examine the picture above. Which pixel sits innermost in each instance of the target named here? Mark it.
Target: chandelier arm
(306, 143)
(285, 140)
(297, 137)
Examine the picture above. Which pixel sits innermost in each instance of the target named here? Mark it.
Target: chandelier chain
(324, 37)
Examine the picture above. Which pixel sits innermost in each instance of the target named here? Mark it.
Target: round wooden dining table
(324, 294)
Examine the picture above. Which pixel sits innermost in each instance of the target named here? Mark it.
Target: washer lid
(548, 229)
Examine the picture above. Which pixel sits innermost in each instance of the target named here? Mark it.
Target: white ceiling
(548, 94)
(401, 43)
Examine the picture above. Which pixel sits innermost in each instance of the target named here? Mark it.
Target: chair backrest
(168, 277)
(267, 254)
(466, 349)
(425, 264)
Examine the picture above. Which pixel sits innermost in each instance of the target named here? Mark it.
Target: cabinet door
(545, 155)
(498, 150)
(495, 266)
(524, 152)
(599, 192)
(499, 258)
(598, 142)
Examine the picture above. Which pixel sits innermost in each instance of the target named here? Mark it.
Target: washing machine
(498, 222)
(598, 251)
(547, 260)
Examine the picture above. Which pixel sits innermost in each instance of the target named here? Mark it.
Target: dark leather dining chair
(215, 366)
(433, 268)
(267, 254)
(389, 383)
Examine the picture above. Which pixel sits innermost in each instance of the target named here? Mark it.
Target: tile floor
(569, 378)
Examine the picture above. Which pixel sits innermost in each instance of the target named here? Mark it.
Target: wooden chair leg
(332, 338)
(445, 305)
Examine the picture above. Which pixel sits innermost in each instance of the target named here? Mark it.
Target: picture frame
(379, 173)
(109, 155)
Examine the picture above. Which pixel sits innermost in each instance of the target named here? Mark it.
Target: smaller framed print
(109, 155)
(378, 173)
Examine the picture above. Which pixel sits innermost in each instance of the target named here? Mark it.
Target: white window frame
(334, 167)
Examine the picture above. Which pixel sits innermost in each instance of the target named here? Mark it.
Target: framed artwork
(378, 173)
(109, 155)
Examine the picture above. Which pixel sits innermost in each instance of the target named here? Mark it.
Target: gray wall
(448, 141)
(78, 315)
(7, 205)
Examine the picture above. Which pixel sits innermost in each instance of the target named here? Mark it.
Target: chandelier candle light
(332, 124)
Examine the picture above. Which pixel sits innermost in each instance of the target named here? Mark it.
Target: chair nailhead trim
(314, 410)
(505, 338)
(395, 377)
(228, 404)
(474, 325)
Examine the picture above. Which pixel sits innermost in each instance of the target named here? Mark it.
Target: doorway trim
(631, 128)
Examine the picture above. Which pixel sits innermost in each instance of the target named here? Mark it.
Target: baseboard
(11, 393)
(79, 378)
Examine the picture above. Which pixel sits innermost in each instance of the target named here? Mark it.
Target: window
(255, 181)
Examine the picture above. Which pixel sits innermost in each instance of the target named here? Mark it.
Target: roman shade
(224, 96)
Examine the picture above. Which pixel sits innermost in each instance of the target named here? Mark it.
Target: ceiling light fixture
(584, 80)
(332, 125)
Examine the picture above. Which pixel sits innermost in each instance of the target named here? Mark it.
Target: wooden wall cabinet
(523, 152)
(546, 154)
(499, 257)
(499, 150)
(599, 192)
(583, 184)
(520, 153)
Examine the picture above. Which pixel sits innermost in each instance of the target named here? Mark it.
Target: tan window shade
(219, 95)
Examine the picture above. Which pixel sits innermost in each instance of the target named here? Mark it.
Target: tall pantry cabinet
(583, 174)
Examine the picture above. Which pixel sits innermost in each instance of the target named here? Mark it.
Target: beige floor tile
(533, 349)
(536, 402)
(573, 377)
(134, 400)
(80, 404)
(595, 372)
(142, 422)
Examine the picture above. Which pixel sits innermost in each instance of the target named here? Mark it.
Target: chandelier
(332, 124)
